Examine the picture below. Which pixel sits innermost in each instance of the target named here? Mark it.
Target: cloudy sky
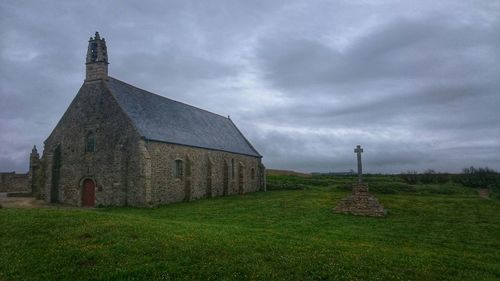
(416, 83)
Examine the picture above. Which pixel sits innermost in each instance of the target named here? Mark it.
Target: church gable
(92, 110)
(93, 140)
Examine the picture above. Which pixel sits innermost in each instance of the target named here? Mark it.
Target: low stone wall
(12, 182)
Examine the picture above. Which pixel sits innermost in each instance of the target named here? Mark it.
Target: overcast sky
(416, 83)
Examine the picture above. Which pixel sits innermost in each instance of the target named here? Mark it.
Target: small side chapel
(120, 145)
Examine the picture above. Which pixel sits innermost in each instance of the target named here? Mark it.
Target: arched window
(90, 142)
(178, 169)
(252, 173)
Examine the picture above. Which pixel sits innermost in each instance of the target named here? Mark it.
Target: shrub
(410, 177)
(284, 185)
(429, 176)
(480, 177)
(345, 186)
(495, 192)
(442, 178)
(438, 189)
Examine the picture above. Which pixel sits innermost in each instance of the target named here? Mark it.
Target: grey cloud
(305, 81)
(173, 73)
(399, 51)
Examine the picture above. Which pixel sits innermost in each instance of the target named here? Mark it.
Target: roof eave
(201, 147)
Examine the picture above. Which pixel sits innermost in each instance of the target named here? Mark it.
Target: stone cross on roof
(358, 151)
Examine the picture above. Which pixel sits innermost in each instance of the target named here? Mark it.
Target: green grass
(277, 235)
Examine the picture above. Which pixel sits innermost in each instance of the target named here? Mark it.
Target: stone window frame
(178, 169)
(252, 173)
(90, 142)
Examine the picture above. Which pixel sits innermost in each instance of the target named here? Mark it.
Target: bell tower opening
(97, 59)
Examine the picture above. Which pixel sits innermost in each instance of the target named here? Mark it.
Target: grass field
(289, 234)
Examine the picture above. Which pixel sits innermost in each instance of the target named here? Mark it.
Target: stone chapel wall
(203, 173)
(113, 166)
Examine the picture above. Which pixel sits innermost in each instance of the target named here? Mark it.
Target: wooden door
(88, 193)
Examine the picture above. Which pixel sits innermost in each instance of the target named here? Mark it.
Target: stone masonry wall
(206, 175)
(12, 182)
(114, 166)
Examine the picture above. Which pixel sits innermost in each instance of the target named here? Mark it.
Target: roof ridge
(183, 103)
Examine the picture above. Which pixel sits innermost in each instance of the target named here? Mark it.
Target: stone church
(120, 145)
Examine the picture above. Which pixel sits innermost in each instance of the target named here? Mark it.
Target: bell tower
(97, 59)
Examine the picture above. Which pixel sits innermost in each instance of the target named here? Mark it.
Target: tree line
(470, 176)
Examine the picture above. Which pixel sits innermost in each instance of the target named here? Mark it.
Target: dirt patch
(85, 236)
(21, 202)
(87, 263)
(30, 202)
(484, 193)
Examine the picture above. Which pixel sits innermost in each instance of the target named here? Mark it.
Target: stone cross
(358, 151)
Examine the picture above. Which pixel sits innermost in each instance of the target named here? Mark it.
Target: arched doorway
(88, 193)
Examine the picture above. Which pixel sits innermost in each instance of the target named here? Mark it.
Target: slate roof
(162, 119)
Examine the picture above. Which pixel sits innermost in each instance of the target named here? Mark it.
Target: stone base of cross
(361, 203)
